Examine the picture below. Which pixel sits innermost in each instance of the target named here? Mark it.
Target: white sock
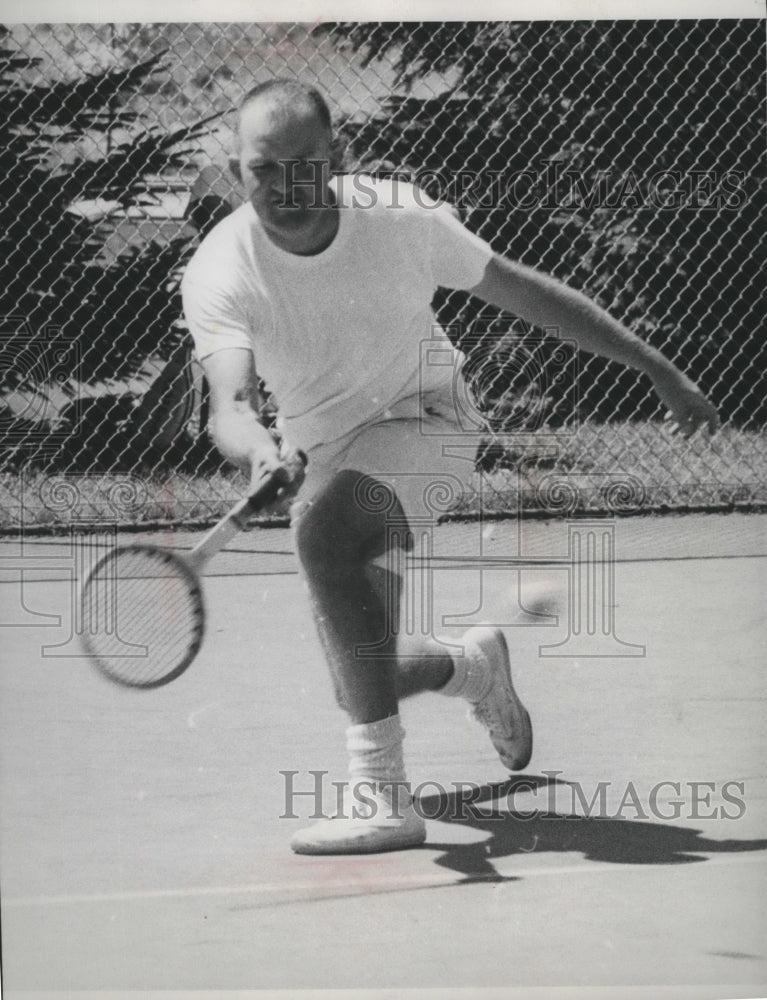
(375, 750)
(470, 679)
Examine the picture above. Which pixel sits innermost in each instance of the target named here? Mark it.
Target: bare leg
(356, 606)
(336, 538)
(356, 603)
(415, 673)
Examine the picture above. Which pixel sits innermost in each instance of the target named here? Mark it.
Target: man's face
(283, 166)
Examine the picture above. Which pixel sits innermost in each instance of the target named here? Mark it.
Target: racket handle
(268, 488)
(237, 519)
(265, 492)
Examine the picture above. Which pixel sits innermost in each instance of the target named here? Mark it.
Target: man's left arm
(545, 302)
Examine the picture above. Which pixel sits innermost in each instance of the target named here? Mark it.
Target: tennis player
(323, 283)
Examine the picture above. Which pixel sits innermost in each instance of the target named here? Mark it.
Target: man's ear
(234, 168)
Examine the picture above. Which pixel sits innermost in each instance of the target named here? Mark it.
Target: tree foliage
(74, 316)
(595, 112)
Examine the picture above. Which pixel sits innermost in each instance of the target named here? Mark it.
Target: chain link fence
(626, 158)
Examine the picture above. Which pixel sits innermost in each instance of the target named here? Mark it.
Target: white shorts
(418, 449)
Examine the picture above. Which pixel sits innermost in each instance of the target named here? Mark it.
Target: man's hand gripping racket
(143, 616)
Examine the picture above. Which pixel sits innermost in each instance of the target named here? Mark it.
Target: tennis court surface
(144, 841)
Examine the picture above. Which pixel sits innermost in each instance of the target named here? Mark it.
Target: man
(325, 287)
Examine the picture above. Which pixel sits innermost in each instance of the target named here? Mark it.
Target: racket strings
(137, 594)
(141, 616)
(140, 599)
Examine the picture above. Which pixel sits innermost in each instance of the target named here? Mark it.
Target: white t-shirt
(340, 336)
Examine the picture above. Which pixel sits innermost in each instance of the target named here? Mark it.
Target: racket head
(142, 617)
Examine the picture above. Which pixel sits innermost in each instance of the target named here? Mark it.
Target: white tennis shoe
(374, 818)
(499, 709)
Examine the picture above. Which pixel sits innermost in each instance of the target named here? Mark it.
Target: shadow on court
(142, 843)
(596, 838)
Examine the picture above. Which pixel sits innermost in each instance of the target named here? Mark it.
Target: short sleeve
(458, 256)
(215, 319)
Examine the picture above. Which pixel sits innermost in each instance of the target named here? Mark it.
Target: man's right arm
(221, 329)
(234, 424)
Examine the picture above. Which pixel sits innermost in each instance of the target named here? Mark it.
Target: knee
(321, 547)
(333, 536)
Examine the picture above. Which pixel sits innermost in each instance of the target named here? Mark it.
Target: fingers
(294, 463)
(713, 422)
(704, 416)
(294, 460)
(673, 425)
(280, 458)
(687, 422)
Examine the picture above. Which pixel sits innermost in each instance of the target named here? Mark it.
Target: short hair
(286, 94)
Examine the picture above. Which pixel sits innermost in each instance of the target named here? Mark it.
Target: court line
(368, 887)
(447, 563)
(520, 562)
(462, 561)
(205, 576)
(31, 558)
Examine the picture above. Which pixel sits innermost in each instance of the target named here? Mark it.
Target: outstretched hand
(688, 408)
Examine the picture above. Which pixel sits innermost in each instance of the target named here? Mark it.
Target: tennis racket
(142, 610)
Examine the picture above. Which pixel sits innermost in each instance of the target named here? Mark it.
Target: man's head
(282, 160)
